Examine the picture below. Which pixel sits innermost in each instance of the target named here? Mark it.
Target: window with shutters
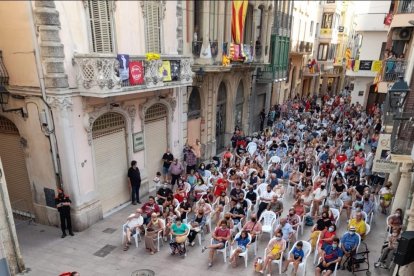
(101, 26)
(152, 11)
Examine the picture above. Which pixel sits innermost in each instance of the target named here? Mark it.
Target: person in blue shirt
(331, 255)
(349, 243)
(296, 257)
(242, 245)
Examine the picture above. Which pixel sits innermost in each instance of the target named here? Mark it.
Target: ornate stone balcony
(99, 74)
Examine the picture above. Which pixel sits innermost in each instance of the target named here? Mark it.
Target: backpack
(308, 221)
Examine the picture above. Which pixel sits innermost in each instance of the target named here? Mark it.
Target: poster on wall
(382, 159)
(136, 73)
(138, 141)
(165, 70)
(175, 70)
(376, 65)
(365, 65)
(123, 66)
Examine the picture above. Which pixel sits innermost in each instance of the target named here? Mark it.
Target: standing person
(262, 117)
(168, 158)
(191, 160)
(134, 179)
(176, 169)
(197, 150)
(63, 202)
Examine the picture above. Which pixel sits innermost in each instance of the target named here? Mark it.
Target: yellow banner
(356, 66)
(326, 31)
(376, 65)
(165, 70)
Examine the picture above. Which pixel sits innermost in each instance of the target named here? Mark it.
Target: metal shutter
(155, 146)
(152, 26)
(100, 18)
(111, 167)
(15, 171)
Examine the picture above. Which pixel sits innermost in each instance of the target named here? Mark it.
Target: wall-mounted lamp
(4, 100)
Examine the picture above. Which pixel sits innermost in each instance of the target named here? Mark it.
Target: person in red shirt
(149, 208)
(328, 167)
(220, 236)
(221, 185)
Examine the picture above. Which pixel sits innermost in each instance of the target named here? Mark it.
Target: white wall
(360, 84)
(371, 45)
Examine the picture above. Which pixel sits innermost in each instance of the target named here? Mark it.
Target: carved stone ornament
(112, 4)
(162, 8)
(153, 77)
(98, 73)
(129, 112)
(186, 74)
(60, 102)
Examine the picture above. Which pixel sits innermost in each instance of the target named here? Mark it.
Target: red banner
(136, 72)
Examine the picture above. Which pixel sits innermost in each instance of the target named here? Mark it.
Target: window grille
(7, 126)
(156, 111)
(107, 123)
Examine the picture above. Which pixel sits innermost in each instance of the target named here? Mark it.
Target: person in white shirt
(319, 195)
(265, 198)
(133, 224)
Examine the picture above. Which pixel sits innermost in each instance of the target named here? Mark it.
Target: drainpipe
(50, 129)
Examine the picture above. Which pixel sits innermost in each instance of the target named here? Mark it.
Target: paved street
(45, 253)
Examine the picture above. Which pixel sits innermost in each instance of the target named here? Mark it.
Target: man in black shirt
(63, 202)
(252, 195)
(163, 193)
(167, 158)
(134, 179)
(235, 192)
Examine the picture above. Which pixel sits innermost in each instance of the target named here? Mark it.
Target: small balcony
(405, 6)
(266, 74)
(99, 75)
(311, 71)
(393, 69)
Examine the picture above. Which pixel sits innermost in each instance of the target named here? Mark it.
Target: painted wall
(360, 84)
(371, 45)
(16, 43)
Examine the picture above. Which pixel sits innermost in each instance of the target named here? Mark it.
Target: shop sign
(382, 159)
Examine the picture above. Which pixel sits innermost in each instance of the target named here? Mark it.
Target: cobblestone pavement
(45, 253)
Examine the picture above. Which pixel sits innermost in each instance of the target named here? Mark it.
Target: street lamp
(4, 99)
(397, 96)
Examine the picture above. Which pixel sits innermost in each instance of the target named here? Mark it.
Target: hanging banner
(123, 66)
(382, 159)
(365, 65)
(238, 20)
(136, 73)
(376, 65)
(165, 70)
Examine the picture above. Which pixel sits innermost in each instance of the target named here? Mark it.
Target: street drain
(104, 250)
(143, 272)
(109, 230)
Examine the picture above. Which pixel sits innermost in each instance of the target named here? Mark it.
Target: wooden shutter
(100, 19)
(152, 26)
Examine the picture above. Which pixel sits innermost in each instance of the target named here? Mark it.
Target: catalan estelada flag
(237, 20)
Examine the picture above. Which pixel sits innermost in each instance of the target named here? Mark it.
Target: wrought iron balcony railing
(404, 139)
(405, 6)
(266, 74)
(393, 69)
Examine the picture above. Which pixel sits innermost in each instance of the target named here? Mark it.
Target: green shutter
(152, 26)
(100, 19)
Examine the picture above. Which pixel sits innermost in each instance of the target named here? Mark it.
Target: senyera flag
(237, 20)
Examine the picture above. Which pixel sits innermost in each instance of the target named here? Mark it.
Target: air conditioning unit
(402, 34)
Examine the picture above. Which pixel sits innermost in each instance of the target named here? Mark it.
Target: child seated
(295, 257)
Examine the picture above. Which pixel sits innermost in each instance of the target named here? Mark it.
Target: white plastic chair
(244, 254)
(223, 250)
(278, 262)
(336, 214)
(316, 252)
(336, 268)
(136, 236)
(368, 229)
(307, 248)
(269, 219)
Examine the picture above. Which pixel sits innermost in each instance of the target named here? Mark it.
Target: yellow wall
(16, 43)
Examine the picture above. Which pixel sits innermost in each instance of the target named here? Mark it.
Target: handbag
(180, 239)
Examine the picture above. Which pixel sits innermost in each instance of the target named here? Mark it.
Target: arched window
(194, 104)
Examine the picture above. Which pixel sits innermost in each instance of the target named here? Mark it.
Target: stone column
(206, 32)
(255, 24)
(263, 33)
(400, 199)
(227, 27)
(220, 31)
(395, 179)
(312, 86)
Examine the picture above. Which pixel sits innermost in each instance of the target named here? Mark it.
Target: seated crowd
(312, 154)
